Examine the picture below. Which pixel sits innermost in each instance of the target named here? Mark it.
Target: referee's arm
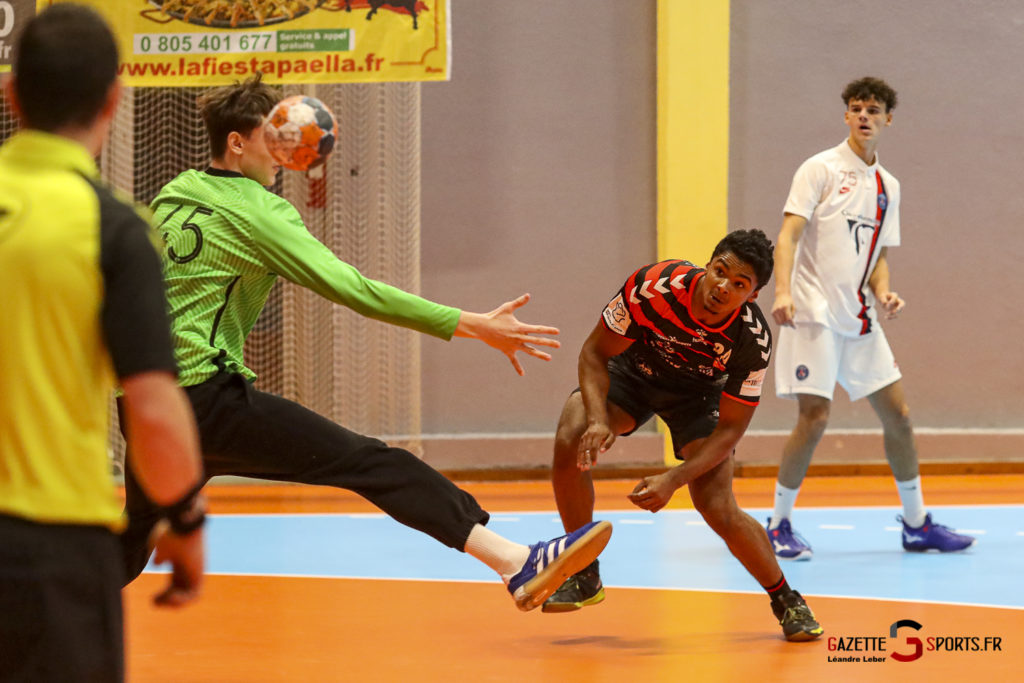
(160, 428)
(159, 424)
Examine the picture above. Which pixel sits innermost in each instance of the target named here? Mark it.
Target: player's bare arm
(888, 300)
(793, 226)
(160, 428)
(164, 444)
(654, 492)
(593, 375)
(500, 329)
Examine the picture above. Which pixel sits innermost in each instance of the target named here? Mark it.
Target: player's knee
(898, 418)
(716, 511)
(571, 426)
(719, 518)
(815, 417)
(567, 440)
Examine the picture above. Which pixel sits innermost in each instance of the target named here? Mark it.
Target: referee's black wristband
(188, 514)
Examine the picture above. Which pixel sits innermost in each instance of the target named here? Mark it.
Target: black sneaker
(580, 590)
(796, 618)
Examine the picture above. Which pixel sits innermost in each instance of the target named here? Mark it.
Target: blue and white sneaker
(931, 536)
(787, 544)
(550, 563)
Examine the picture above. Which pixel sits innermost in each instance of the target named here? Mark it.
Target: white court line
(912, 601)
(635, 521)
(980, 532)
(696, 522)
(611, 511)
(505, 519)
(931, 431)
(894, 508)
(254, 515)
(636, 588)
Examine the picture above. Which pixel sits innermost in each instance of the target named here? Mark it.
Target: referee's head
(64, 70)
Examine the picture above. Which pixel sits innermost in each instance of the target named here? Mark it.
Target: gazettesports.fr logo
(905, 646)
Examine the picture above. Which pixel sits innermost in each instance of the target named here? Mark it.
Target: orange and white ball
(300, 132)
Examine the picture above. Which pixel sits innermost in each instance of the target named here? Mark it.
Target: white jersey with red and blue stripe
(852, 211)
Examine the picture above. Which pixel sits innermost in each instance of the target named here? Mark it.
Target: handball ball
(300, 132)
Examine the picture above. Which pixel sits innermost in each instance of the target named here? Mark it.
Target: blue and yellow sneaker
(930, 536)
(786, 543)
(551, 563)
(580, 590)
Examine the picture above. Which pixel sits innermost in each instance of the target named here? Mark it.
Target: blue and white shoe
(550, 563)
(931, 536)
(787, 544)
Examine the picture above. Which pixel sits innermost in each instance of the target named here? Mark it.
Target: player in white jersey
(831, 281)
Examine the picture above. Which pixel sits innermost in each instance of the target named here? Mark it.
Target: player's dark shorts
(689, 409)
(60, 603)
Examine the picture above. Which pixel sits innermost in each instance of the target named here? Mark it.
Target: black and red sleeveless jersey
(670, 347)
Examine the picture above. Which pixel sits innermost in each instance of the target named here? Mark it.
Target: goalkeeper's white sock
(497, 552)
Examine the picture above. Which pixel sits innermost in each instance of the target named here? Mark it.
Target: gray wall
(539, 176)
(954, 145)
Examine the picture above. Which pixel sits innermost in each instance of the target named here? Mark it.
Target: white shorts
(810, 359)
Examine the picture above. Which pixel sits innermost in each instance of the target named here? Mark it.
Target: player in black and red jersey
(690, 345)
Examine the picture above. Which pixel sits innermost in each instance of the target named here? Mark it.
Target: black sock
(779, 591)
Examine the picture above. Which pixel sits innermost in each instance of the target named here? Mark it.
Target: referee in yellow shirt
(81, 307)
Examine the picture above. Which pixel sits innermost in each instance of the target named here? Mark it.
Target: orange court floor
(255, 628)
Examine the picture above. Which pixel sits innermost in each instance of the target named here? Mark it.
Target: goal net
(364, 204)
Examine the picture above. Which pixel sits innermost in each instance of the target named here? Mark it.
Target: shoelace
(797, 613)
(798, 537)
(801, 539)
(567, 588)
(933, 525)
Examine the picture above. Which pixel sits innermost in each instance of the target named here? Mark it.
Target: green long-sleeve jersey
(226, 239)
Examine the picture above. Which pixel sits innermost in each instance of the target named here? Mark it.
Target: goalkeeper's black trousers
(250, 433)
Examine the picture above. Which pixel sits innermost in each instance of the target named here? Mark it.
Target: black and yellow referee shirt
(81, 303)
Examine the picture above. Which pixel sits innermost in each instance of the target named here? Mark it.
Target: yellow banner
(217, 42)
(14, 14)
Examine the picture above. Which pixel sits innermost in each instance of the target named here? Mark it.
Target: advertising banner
(217, 42)
(13, 15)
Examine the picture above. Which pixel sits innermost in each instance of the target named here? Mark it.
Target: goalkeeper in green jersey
(227, 239)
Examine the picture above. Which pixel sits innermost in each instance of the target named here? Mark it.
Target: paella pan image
(234, 13)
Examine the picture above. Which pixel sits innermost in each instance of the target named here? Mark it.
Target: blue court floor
(857, 552)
